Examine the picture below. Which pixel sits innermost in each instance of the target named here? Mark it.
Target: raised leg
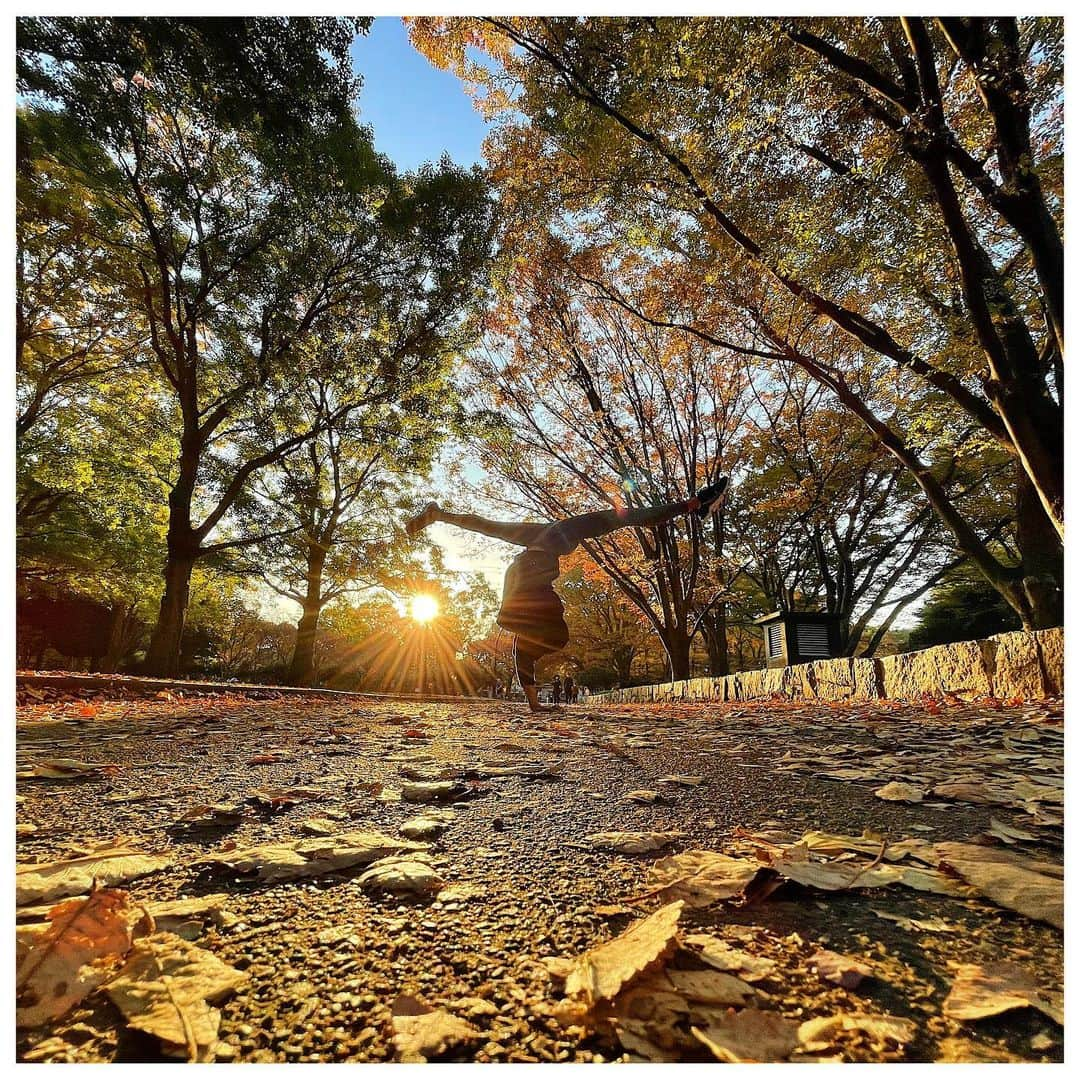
(514, 532)
(564, 536)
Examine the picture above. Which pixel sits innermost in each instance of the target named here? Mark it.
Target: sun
(423, 608)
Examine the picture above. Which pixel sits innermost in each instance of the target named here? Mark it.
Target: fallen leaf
(700, 878)
(439, 791)
(749, 1035)
(1009, 834)
(820, 1033)
(428, 824)
(76, 953)
(267, 759)
(61, 769)
(534, 769)
(721, 956)
(36, 882)
(986, 990)
(319, 826)
(308, 858)
(633, 843)
(282, 798)
(710, 987)
(900, 792)
(600, 973)
(421, 1033)
(681, 780)
(403, 874)
(211, 815)
(930, 924)
(1008, 880)
(167, 988)
(845, 971)
(647, 797)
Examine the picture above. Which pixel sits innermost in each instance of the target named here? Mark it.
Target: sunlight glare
(423, 608)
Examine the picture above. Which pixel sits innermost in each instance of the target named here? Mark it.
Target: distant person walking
(531, 610)
(556, 690)
(570, 689)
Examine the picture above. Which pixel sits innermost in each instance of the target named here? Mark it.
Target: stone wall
(1020, 664)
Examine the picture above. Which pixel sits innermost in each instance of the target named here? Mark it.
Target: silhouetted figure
(531, 610)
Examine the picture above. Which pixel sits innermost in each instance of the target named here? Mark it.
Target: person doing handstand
(531, 610)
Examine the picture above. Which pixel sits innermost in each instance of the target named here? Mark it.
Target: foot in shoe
(421, 521)
(710, 497)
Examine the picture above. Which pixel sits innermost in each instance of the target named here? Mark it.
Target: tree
(254, 219)
(835, 193)
(330, 507)
(589, 405)
(961, 609)
(606, 630)
(825, 514)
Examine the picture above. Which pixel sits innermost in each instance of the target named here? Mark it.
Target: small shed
(797, 637)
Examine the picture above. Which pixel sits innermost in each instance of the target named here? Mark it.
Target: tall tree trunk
(714, 630)
(163, 656)
(302, 668)
(622, 656)
(120, 620)
(677, 646)
(1042, 584)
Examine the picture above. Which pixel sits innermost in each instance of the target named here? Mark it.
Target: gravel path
(326, 957)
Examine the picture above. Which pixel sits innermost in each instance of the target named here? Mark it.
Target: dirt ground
(327, 957)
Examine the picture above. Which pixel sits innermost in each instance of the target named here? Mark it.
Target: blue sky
(416, 111)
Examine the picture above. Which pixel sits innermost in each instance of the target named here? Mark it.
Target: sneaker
(422, 520)
(711, 497)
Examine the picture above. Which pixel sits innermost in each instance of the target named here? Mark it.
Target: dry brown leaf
(647, 797)
(211, 815)
(820, 1033)
(897, 791)
(308, 858)
(845, 971)
(438, 791)
(721, 956)
(188, 918)
(1008, 880)
(794, 864)
(108, 865)
(930, 924)
(710, 987)
(749, 1035)
(167, 988)
(649, 1018)
(421, 1032)
(281, 798)
(76, 953)
(826, 843)
(428, 824)
(982, 793)
(404, 874)
(986, 990)
(61, 769)
(633, 843)
(701, 878)
(601, 973)
(1009, 834)
(682, 780)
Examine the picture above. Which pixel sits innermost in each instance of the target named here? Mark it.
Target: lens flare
(423, 608)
